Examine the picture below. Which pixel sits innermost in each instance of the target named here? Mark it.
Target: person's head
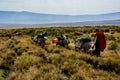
(45, 33)
(97, 29)
(61, 35)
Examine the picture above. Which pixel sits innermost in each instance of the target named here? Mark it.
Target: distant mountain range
(86, 23)
(12, 17)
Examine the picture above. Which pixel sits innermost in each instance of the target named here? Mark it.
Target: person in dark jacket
(41, 38)
(63, 41)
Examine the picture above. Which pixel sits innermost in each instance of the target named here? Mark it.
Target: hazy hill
(86, 23)
(12, 17)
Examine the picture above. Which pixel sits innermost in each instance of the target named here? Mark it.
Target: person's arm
(94, 41)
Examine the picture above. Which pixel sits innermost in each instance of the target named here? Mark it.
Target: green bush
(117, 29)
(107, 30)
(112, 32)
(78, 33)
(111, 37)
(31, 32)
(113, 46)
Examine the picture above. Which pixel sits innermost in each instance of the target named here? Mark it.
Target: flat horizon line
(61, 14)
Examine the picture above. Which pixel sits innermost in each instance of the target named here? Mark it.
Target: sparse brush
(49, 48)
(18, 50)
(22, 59)
(78, 33)
(85, 31)
(25, 61)
(89, 59)
(112, 32)
(111, 37)
(58, 50)
(69, 69)
(71, 46)
(107, 30)
(49, 72)
(54, 59)
(118, 40)
(30, 32)
(113, 46)
(79, 76)
(16, 76)
(109, 65)
(7, 59)
(37, 52)
(117, 29)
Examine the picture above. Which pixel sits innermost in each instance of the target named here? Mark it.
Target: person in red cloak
(100, 42)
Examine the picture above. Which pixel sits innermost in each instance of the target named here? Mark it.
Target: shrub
(2, 74)
(117, 30)
(7, 60)
(54, 59)
(109, 65)
(31, 32)
(37, 52)
(78, 76)
(69, 69)
(58, 50)
(112, 32)
(49, 48)
(118, 40)
(92, 60)
(111, 37)
(25, 61)
(16, 76)
(75, 37)
(48, 72)
(78, 33)
(85, 31)
(107, 30)
(113, 46)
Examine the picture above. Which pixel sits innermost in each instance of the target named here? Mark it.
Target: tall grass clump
(107, 30)
(25, 61)
(110, 65)
(111, 37)
(113, 46)
(30, 32)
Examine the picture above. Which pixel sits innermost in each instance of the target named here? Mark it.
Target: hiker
(99, 42)
(83, 44)
(63, 40)
(41, 38)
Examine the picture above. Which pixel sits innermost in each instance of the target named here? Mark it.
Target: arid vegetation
(22, 59)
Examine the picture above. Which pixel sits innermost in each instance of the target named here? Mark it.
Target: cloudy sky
(71, 7)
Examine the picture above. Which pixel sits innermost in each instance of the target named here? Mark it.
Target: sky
(68, 7)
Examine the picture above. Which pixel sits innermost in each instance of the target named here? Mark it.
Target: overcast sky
(71, 7)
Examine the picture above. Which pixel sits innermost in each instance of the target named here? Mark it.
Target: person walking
(99, 43)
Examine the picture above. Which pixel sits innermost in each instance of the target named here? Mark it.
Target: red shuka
(102, 40)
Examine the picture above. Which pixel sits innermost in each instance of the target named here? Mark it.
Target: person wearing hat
(99, 43)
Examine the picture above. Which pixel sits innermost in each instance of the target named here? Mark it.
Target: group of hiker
(81, 44)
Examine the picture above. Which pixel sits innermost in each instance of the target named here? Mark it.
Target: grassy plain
(22, 59)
